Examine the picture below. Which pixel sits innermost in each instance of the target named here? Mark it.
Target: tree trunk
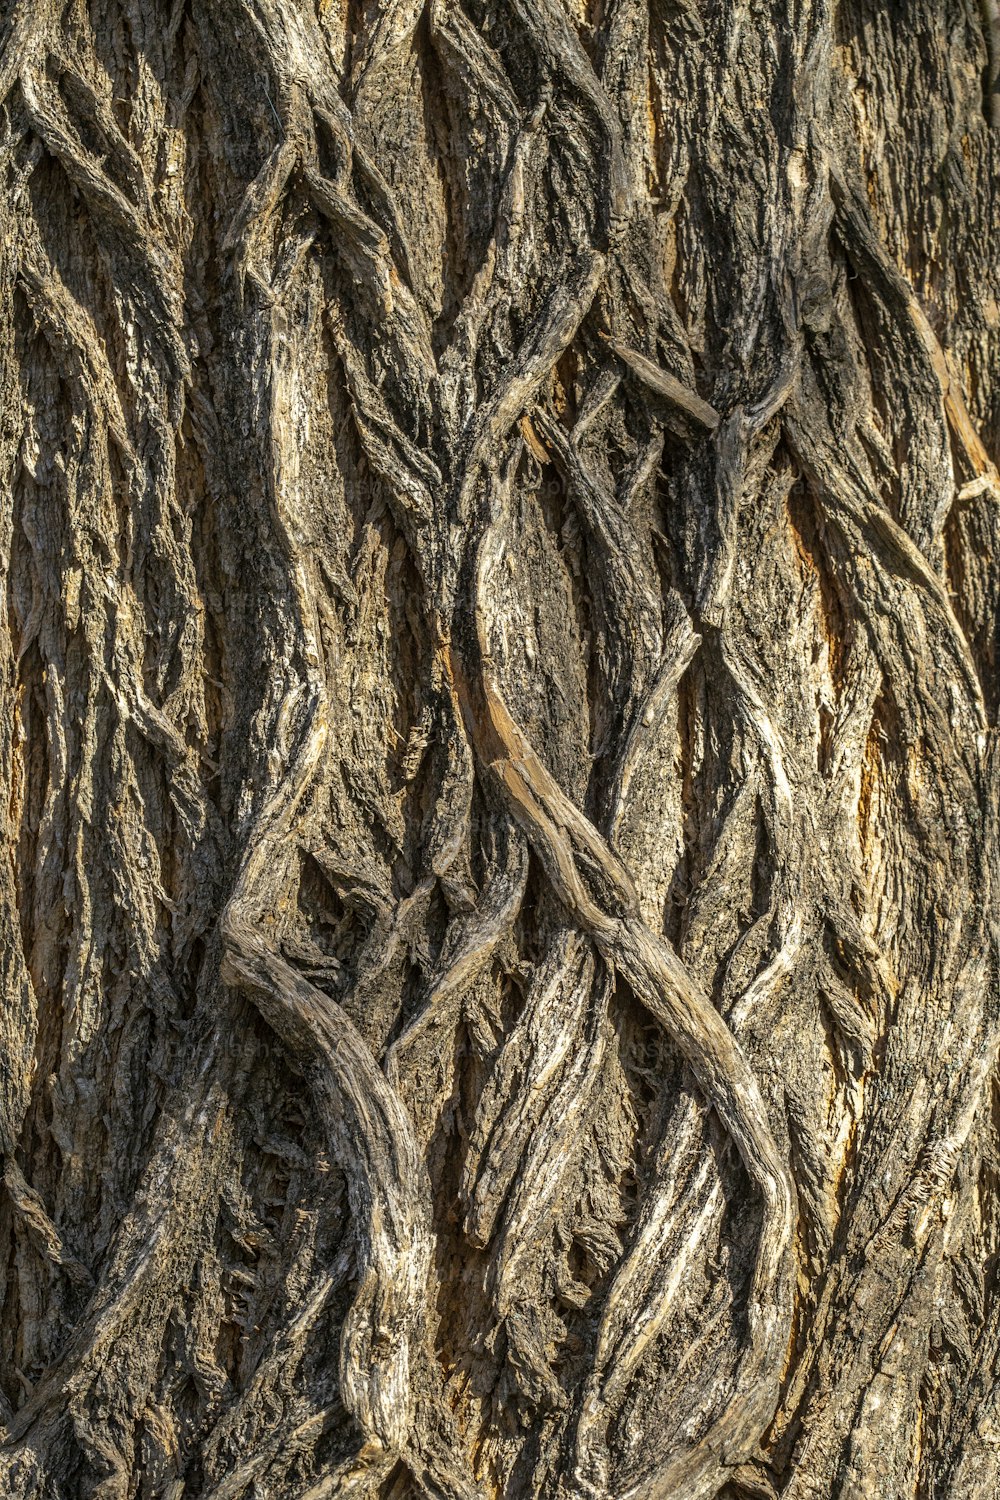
(499, 915)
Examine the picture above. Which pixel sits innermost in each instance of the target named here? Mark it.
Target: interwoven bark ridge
(497, 727)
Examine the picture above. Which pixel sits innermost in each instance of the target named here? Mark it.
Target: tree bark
(498, 699)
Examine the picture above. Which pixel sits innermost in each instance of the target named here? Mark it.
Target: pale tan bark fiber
(500, 547)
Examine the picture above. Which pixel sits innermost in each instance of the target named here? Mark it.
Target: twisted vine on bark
(498, 742)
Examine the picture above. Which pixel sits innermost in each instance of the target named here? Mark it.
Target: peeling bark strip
(498, 701)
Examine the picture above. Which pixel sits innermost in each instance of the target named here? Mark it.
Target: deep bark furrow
(498, 691)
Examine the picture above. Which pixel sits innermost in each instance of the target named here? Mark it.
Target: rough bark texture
(498, 685)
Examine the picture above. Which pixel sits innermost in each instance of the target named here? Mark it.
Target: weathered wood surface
(498, 687)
